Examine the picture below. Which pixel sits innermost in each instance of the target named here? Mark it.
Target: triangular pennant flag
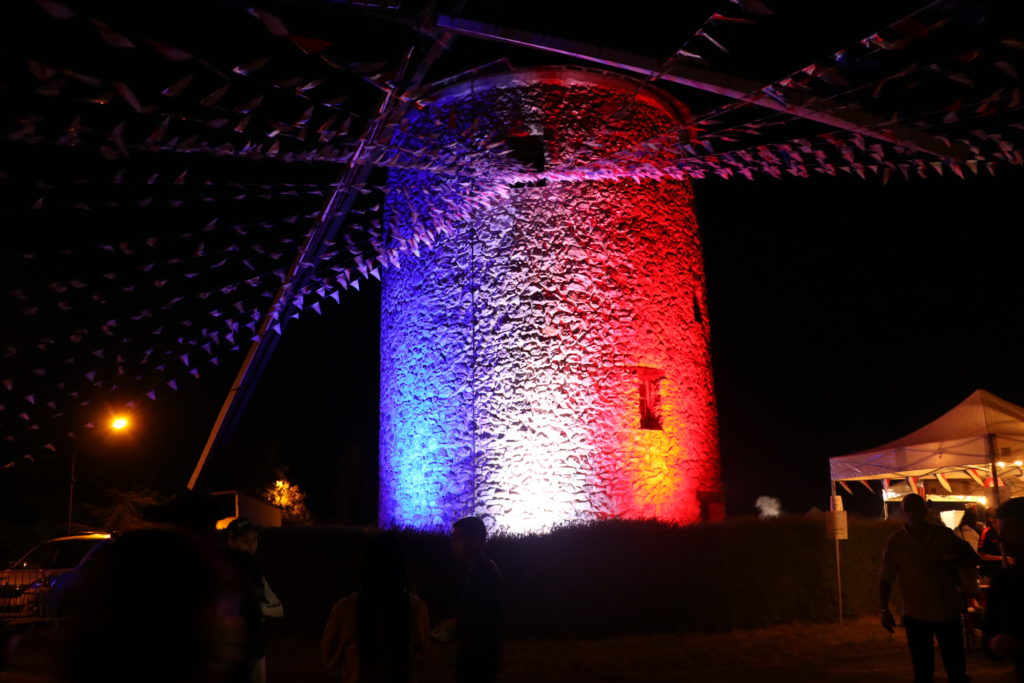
(55, 9)
(942, 480)
(274, 25)
(110, 37)
(169, 52)
(845, 486)
(973, 474)
(309, 45)
(867, 484)
(126, 93)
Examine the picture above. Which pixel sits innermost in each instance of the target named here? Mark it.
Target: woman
(968, 529)
(378, 634)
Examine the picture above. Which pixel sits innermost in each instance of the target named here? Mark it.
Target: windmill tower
(548, 362)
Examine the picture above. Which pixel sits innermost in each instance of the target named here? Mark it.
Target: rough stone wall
(509, 352)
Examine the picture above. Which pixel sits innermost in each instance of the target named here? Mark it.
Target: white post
(837, 505)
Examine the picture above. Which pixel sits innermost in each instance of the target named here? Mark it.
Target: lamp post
(118, 423)
(71, 484)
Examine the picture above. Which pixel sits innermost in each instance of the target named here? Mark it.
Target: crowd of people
(379, 633)
(937, 570)
(180, 601)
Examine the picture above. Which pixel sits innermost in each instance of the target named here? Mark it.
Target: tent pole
(990, 444)
(885, 504)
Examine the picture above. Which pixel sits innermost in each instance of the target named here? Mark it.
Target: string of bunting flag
(159, 182)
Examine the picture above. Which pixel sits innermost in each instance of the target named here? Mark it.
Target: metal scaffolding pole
(392, 108)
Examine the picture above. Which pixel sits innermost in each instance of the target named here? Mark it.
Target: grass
(738, 655)
(297, 659)
(691, 652)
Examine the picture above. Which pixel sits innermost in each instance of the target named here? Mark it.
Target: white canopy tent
(955, 457)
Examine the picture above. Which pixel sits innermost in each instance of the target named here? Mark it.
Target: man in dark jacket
(480, 622)
(924, 558)
(989, 548)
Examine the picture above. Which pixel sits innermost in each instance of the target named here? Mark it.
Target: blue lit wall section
(426, 459)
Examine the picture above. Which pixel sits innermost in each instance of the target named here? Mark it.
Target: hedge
(606, 578)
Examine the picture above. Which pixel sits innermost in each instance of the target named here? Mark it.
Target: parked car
(35, 586)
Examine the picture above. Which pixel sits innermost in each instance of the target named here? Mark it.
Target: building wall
(513, 352)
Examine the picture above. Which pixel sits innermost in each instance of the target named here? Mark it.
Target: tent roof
(954, 442)
(979, 414)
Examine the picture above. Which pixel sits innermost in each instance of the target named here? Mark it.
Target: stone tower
(547, 361)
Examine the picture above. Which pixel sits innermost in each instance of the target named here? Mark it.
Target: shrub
(608, 578)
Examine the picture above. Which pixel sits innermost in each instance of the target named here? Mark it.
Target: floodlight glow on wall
(547, 360)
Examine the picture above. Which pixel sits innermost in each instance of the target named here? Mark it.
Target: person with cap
(257, 600)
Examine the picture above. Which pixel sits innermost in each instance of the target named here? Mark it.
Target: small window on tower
(650, 397)
(529, 152)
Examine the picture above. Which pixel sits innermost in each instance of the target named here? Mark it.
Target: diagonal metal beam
(342, 198)
(796, 104)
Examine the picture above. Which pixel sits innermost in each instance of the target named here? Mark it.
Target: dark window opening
(697, 315)
(528, 150)
(649, 380)
(712, 506)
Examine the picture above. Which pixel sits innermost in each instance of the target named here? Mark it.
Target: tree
(290, 498)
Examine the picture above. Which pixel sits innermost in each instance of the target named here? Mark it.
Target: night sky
(847, 313)
(844, 313)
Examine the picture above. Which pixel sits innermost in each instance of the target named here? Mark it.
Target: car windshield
(57, 554)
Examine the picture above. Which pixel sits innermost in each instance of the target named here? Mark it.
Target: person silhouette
(1004, 628)
(989, 547)
(378, 634)
(150, 608)
(923, 557)
(478, 627)
(258, 601)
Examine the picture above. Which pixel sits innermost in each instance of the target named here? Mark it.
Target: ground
(856, 651)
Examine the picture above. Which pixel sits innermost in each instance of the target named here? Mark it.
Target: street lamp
(118, 423)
